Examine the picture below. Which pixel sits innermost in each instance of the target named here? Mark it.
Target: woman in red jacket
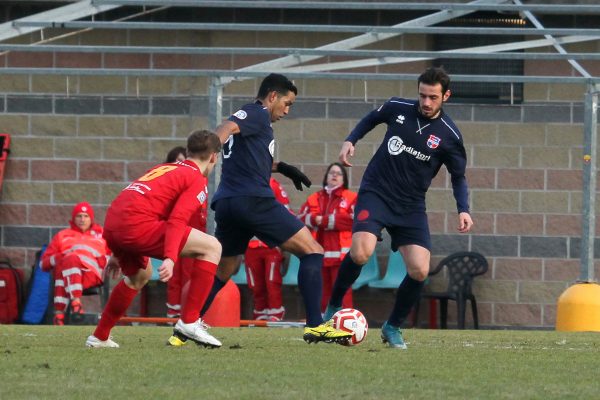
(329, 214)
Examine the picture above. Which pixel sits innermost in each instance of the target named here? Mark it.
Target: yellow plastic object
(578, 308)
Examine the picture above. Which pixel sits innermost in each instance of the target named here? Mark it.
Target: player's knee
(138, 281)
(211, 250)
(316, 248)
(215, 247)
(360, 256)
(418, 274)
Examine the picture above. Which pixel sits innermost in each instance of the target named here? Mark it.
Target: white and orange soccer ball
(353, 321)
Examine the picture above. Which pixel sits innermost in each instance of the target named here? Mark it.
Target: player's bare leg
(120, 299)
(206, 250)
(363, 246)
(417, 260)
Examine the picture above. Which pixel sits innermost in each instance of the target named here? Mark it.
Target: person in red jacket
(329, 213)
(78, 256)
(150, 218)
(263, 270)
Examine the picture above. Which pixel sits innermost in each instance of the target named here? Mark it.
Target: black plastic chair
(462, 268)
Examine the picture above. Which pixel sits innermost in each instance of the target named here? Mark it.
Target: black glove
(294, 174)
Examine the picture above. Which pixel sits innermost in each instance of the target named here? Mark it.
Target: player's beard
(433, 113)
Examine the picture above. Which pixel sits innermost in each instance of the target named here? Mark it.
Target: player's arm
(226, 129)
(113, 269)
(291, 172)
(364, 126)
(456, 162)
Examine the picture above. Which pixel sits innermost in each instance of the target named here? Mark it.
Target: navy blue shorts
(238, 219)
(372, 214)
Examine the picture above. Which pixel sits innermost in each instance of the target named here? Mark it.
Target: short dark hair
(277, 83)
(344, 174)
(433, 76)
(174, 152)
(202, 143)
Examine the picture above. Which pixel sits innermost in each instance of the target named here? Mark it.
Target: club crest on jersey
(202, 197)
(240, 114)
(433, 142)
(363, 215)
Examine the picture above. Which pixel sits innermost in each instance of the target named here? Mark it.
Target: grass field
(46, 362)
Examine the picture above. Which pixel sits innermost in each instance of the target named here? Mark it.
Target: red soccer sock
(120, 299)
(200, 284)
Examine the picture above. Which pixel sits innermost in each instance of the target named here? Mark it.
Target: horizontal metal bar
(74, 11)
(296, 51)
(212, 73)
(305, 28)
(566, 9)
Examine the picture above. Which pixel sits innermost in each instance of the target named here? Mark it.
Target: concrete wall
(84, 138)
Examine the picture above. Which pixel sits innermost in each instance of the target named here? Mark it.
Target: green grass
(46, 362)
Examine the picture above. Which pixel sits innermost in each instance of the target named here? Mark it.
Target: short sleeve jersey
(411, 154)
(167, 192)
(248, 155)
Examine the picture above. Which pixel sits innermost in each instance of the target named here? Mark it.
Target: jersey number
(156, 172)
(228, 147)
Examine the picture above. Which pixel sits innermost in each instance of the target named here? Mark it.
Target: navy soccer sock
(217, 285)
(406, 297)
(310, 284)
(347, 275)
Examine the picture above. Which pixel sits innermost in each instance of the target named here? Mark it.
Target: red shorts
(132, 247)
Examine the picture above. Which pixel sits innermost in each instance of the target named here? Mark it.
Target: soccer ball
(353, 321)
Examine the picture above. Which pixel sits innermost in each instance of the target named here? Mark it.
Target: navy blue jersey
(411, 154)
(248, 155)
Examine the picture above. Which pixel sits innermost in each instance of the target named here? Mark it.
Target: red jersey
(171, 192)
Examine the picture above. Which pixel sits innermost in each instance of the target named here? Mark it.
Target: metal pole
(215, 114)
(589, 184)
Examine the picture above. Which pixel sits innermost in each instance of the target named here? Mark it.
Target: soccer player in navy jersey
(420, 138)
(245, 206)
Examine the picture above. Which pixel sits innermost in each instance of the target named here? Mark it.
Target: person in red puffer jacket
(78, 256)
(329, 214)
(263, 270)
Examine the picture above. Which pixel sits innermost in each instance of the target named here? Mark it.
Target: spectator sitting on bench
(78, 256)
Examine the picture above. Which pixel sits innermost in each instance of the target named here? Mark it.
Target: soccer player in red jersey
(150, 218)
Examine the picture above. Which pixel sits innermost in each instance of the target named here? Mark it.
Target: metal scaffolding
(293, 61)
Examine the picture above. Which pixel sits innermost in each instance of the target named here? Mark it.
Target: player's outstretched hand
(113, 269)
(346, 152)
(165, 271)
(464, 222)
(294, 174)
